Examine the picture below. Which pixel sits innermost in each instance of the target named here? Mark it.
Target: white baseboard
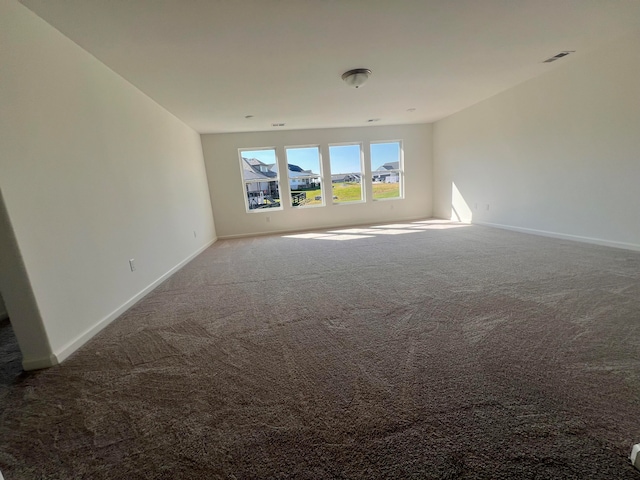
(61, 354)
(635, 456)
(38, 363)
(563, 236)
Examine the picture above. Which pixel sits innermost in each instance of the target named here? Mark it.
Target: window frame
(400, 170)
(319, 175)
(363, 193)
(276, 179)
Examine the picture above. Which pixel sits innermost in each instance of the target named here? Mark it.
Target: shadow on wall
(3, 310)
(460, 210)
(10, 356)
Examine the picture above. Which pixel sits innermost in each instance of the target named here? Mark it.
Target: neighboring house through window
(260, 178)
(304, 170)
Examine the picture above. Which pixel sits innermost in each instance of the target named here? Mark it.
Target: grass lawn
(352, 192)
(386, 190)
(347, 192)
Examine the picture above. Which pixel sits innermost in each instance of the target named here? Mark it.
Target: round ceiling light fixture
(356, 77)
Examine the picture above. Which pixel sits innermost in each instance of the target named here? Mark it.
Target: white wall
(18, 296)
(93, 173)
(558, 154)
(227, 189)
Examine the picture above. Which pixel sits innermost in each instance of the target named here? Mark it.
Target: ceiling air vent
(277, 124)
(560, 55)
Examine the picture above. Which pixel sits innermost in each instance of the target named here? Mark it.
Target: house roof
(251, 167)
(342, 176)
(389, 166)
(252, 170)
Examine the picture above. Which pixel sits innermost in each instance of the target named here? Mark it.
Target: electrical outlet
(132, 264)
(268, 219)
(487, 206)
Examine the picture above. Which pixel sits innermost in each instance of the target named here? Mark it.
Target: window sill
(355, 202)
(302, 207)
(387, 199)
(264, 210)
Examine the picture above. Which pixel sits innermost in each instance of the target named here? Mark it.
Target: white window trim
(320, 175)
(399, 170)
(363, 193)
(246, 182)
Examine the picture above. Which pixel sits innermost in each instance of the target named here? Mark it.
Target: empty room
(319, 239)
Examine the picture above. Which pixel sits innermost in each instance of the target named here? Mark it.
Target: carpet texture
(426, 350)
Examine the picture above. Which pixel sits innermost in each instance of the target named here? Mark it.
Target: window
(305, 179)
(346, 173)
(309, 187)
(386, 170)
(260, 178)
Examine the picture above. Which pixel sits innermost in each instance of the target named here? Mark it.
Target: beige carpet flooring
(426, 350)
